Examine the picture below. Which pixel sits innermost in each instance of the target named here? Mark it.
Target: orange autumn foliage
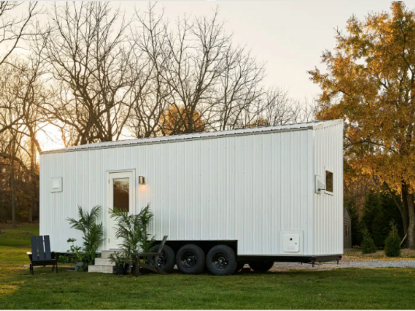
(180, 120)
(370, 82)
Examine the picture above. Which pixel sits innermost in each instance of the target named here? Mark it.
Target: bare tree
(151, 93)
(239, 90)
(14, 28)
(196, 61)
(11, 112)
(91, 59)
(21, 98)
(193, 65)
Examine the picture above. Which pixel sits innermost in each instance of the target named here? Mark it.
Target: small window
(346, 230)
(329, 181)
(121, 197)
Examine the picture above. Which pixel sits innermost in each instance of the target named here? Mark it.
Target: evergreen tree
(393, 242)
(379, 210)
(368, 246)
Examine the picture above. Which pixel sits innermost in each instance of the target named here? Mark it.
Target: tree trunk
(411, 223)
(404, 208)
(32, 182)
(12, 186)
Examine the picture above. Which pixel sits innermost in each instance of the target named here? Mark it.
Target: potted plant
(93, 233)
(121, 261)
(133, 231)
(78, 256)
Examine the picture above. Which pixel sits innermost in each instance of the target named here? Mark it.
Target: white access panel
(292, 241)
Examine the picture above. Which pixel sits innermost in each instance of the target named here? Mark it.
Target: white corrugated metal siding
(247, 187)
(328, 209)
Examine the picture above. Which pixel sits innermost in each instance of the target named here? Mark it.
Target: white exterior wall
(248, 188)
(328, 208)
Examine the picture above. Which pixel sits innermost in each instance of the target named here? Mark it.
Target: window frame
(325, 180)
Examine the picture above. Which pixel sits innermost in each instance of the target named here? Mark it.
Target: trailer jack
(313, 261)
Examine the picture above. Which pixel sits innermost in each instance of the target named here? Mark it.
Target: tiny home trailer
(223, 198)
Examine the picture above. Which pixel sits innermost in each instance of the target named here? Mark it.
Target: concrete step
(103, 262)
(101, 269)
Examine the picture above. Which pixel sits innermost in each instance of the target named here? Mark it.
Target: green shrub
(393, 242)
(120, 259)
(133, 230)
(368, 246)
(93, 231)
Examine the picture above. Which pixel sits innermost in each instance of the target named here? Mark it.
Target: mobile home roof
(204, 135)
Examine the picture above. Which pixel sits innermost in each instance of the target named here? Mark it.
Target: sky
(288, 36)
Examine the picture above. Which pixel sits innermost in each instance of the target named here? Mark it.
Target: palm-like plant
(132, 229)
(93, 231)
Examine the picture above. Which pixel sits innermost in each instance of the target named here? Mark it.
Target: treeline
(379, 212)
(90, 74)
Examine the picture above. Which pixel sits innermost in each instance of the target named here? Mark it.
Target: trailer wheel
(221, 260)
(166, 261)
(261, 266)
(190, 259)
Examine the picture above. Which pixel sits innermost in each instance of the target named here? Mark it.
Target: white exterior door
(120, 195)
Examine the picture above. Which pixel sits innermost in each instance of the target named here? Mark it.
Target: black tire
(261, 266)
(221, 260)
(190, 259)
(166, 261)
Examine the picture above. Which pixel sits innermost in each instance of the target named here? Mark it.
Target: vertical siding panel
(285, 180)
(197, 190)
(304, 181)
(164, 159)
(265, 177)
(239, 193)
(309, 240)
(231, 191)
(205, 181)
(328, 230)
(249, 210)
(257, 187)
(222, 182)
(182, 157)
(212, 198)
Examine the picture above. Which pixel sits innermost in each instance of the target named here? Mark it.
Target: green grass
(356, 254)
(336, 289)
(16, 237)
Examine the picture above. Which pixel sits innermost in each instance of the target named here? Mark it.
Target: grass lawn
(356, 254)
(336, 289)
(19, 236)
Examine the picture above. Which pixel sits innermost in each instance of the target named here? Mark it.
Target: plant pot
(120, 270)
(135, 270)
(79, 266)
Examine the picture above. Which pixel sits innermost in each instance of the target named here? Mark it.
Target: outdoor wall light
(141, 180)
